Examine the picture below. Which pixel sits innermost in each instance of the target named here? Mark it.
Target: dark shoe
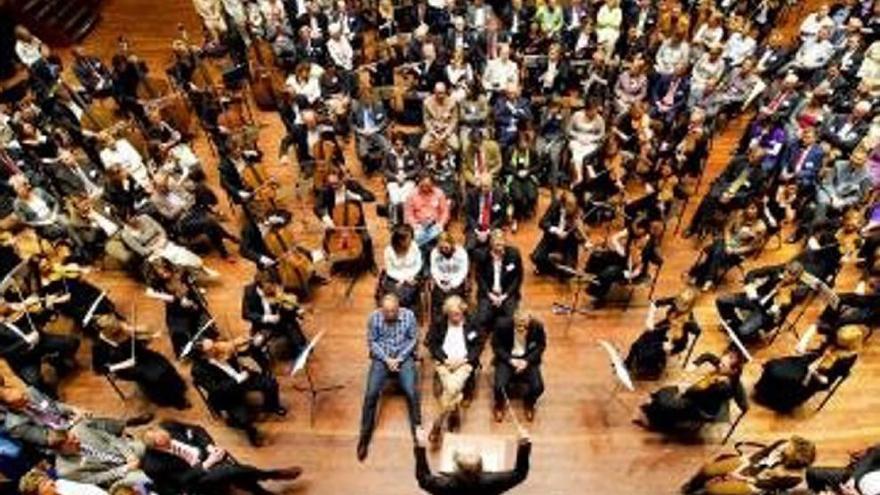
(793, 238)
(454, 421)
(140, 420)
(280, 411)
(530, 413)
(498, 414)
(290, 473)
(255, 437)
(363, 449)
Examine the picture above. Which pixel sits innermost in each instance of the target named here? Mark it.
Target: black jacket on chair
(485, 484)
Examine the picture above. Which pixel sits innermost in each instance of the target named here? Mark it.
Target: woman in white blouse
(305, 83)
(460, 75)
(608, 21)
(403, 264)
(586, 130)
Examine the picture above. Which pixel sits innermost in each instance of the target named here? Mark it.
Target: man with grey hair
(469, 477)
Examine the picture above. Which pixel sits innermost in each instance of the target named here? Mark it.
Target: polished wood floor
(584, 442)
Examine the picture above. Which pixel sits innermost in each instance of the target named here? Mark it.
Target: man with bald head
(392, 335)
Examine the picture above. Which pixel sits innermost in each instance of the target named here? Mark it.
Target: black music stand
(302, 364)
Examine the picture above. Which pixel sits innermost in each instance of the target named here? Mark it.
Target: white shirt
(341, 52)
(127, 157)
(66, 487)
(310, 88)
(29, 52)
(238, 376)
(496, 275)
(449, 272)
(499, 74)
(406, 267)
(454, 343)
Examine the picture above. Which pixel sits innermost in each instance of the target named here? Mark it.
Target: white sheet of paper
(303, 357)
(498, 452)
(619, 368)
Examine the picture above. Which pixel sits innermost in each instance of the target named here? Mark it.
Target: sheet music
(738, 343)
(619, 368)
(303, 357)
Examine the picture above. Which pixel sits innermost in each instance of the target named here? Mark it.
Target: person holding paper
(469, 477)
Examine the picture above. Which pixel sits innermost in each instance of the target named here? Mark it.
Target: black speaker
(7, 41)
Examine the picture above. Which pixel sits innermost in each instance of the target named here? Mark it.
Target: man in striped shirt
(392, 334)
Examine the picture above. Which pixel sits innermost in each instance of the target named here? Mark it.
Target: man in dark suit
(230, 386)
(771, 57)
(469, 478)
(269, 318)
(669, 95)
(183, 458)
(845, 131)
(519, 345)
(499, 274)
(486, 209)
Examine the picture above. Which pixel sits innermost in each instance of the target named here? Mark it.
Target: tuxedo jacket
(511, 273)
(171, 473)
(485, 484)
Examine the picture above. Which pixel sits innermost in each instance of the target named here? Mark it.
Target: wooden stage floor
(583, 439)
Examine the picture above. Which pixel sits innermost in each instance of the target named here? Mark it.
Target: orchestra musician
(662, 339)
(562, 235)
(273, 315)
(29, 348)
(95, 78)
(632, 251)
(340, 207)
(764, 303)
(778, 466)
(233, 387)
(787, 382)
(743, 236)
(114, 353)
(673, 408)
(186, 317)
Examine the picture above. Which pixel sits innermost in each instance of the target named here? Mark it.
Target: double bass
(266, 83)
(157, 94)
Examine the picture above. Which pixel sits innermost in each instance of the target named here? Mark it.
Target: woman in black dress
(704, 401)
(790, 381)
(114, 352)
(647, 356)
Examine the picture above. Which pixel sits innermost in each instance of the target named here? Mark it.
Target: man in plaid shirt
(392, 334)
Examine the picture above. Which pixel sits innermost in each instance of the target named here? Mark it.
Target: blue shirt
(395, 339)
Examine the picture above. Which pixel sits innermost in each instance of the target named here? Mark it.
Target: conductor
(469, 477)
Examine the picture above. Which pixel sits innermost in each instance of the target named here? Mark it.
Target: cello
(294, 266)
(343, 242)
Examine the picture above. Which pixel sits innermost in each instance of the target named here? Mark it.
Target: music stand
(577, 283)
(837, 383)
(301, 363)
(622, 378)
(733, 427)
